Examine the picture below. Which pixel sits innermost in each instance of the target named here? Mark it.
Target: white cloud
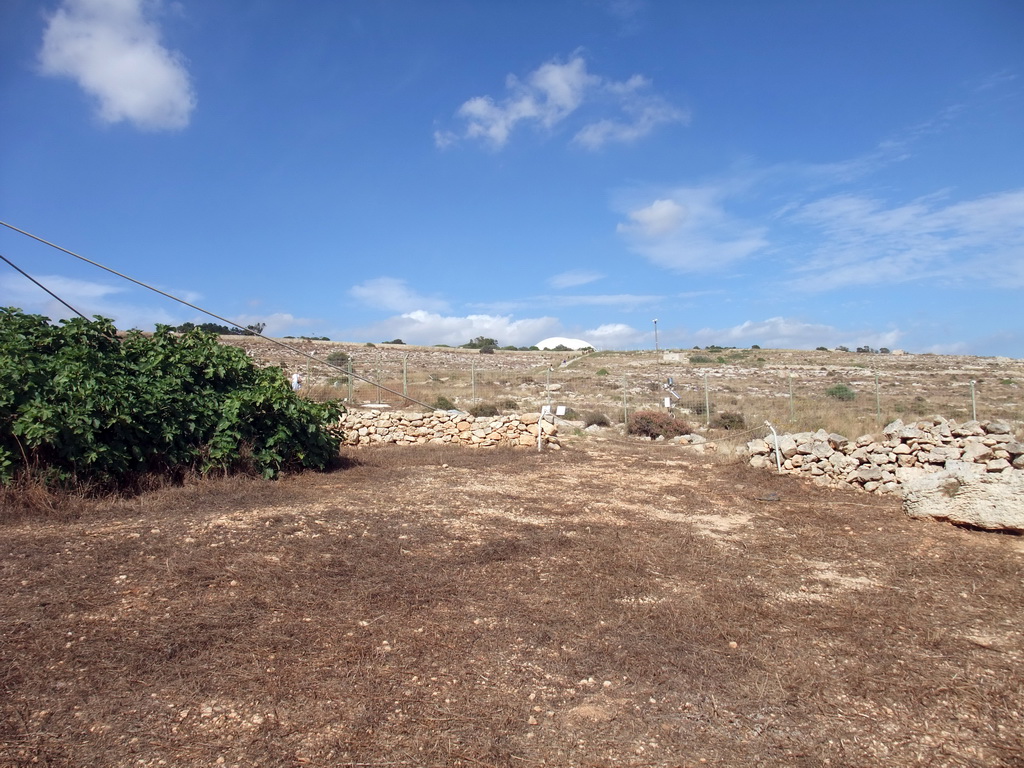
(620, 300)
(553, 92)
(422, 327)
(785, 333)
(88, 297)
(114, 53)
(614, 336)
(277, 324)
(643, 112)
(865, 242)
(660, 218)
(689, 230)
(394, 295)
(574, 277)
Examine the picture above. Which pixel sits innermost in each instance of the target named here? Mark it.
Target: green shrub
(601, 372)
(338, 357)
(729, 420)
(840, 392)
(697, 359)
(656, 424)
(442, 403)
(484, 409)
(81, 406)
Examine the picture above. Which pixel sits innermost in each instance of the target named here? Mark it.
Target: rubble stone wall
(447, 427)
(904, 453)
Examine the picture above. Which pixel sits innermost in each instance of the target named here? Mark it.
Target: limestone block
(893, 427)
(822, 449)
(992, 501)
(867, 473)
(995, 427)
(968, 429)
(758, 448)
(837, 441)
(998, 465)
(787, 446)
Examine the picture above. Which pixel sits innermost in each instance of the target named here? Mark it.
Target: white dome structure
(561, 341)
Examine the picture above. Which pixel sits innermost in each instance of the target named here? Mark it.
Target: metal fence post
(974, 403)
(792, 403)
(350, 380)
(625, 404)
(878, 401)
(707, 403)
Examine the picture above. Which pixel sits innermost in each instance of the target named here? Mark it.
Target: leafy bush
(729, 420)
(81, 406)
(595, 419)
(700, 359)
(601, 372)
(442, 403)
(488, 350)
(840, 392)
(338, 357)
(480, 342)
(484, 409)
(656, 424)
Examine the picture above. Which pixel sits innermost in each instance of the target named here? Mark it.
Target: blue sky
(788, 174)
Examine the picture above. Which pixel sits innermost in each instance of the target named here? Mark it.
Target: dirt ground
(616, 603)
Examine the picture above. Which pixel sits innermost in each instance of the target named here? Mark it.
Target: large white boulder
(982, 499)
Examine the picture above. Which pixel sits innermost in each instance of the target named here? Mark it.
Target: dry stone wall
(447, 427)
(904, 453)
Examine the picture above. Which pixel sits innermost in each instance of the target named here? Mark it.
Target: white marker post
(544, 411)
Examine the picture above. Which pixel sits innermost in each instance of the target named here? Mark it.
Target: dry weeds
(615, 603)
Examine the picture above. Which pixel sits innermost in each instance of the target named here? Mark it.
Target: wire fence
(852, 402)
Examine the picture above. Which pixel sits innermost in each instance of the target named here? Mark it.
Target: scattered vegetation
(596, 419)
(338, 357)
(841, 392)
(480, 342)
(442, 403)
(484, 409)
(729, 420)
(656, 424)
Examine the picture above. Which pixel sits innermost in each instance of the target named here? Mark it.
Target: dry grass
(615, 603)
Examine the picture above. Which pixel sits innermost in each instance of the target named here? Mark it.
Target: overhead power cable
(40, 285)
(230, 322)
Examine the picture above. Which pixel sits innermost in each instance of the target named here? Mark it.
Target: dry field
(787, 387)
(616, 603)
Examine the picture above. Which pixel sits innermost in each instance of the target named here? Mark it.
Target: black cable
(58, 298)
(200, 309)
